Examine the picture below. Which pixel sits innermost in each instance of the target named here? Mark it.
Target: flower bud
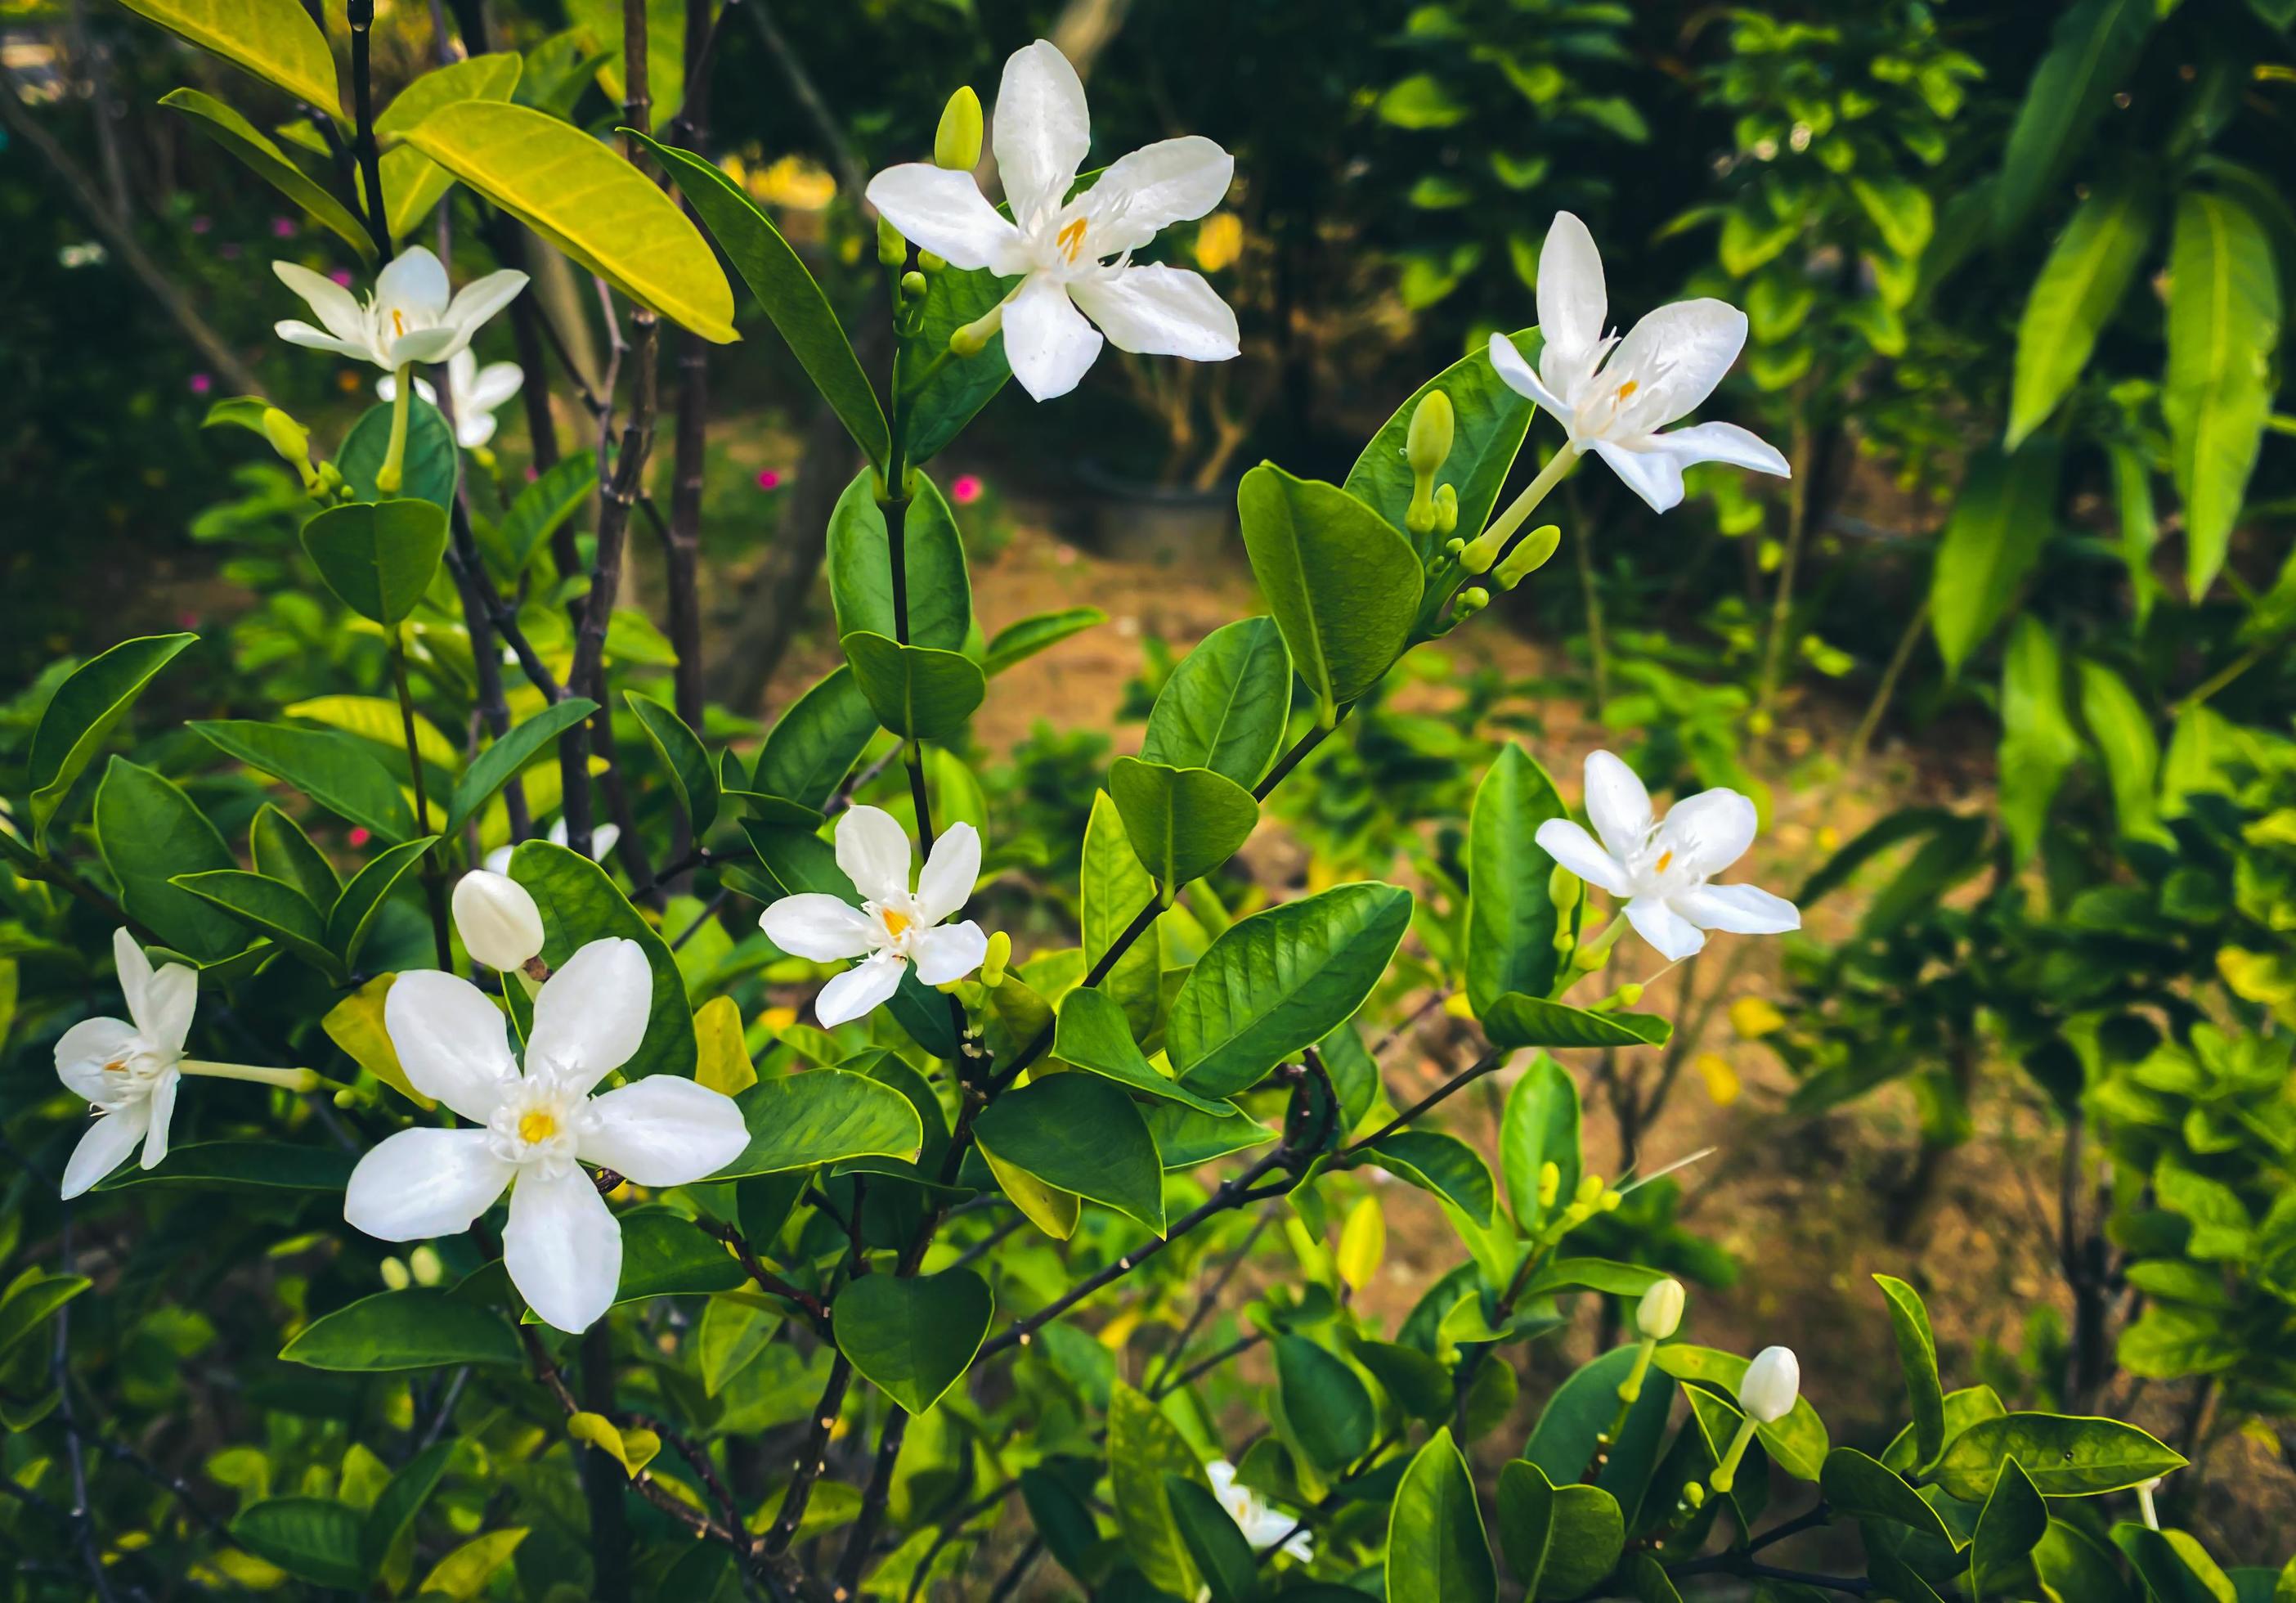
(1694, 1494)
(1658, 1315)
(499, 923)
(973, 337)
(1772, 1384)
(892, 250)
(1473, 599)
(1610, 1201)
(292, 442)
(1563, 889)
(395, 1277)
(1550, 1183)
(1000, 953)
(1590, 1189)
(956, 143)
(913, 285)
(929, 264)
(1428, 440)
(1529, 554)
(1447, 508)
(425, 1264)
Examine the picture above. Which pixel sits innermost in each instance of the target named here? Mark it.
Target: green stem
(434, 889)
(1591, 955)
(394, 459)
(1726, 1474)
(286, 1080)
(1518, 510)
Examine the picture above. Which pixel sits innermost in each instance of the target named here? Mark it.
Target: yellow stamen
(118, 1066)
(1628, 388)
(535, 1127)
(1070, 238)
(895, 921)
(1664, 860)
(398, 326)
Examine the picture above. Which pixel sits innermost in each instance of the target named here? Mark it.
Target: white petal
(1172, 181)
(1157, 312)
(603, 840)
(83, 1050)
(1723, 442)
(1675, 357)
(164, 1017)
(434, 344)
(945, 213)
(304, 334)
(948, 953)
(474, 428)
(873, 850)
(1709, 830)
(451, 1040)
(563, 1248)
(493, 384)
(422, 1182)
(387, 388)
(1569, 844)
(133, 970)
(498, 861)
(1671, 936)
(860, 990)
(1655, 476)
(1048, 342)
(663, 1130)
(107, 1140)
(1617, 804)
(1738, 910)
(823, 927)
(163, 1106)
(1572, 301)
(482, 298)
(590, 1016)
(1517, 376)
(952, 869)
(1042, 128)
(336, 308)
(414, 283)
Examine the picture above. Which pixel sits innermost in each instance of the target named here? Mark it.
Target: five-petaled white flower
(1261, 1525)
(603, 837)
(412, 317)
(128, 1072)
(563, 1246)
(1073, 254)
(892, 927)
(1666, 366)
(1661, 870)
(475, 392)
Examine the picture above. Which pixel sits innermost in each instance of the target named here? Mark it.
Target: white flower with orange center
(1262, 1524)
(413, 315)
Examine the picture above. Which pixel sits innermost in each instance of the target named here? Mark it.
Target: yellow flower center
(895, 921)
(1665, 860)
(536, 1127)
(1070, 239)
(1628, 388)
(398, 323)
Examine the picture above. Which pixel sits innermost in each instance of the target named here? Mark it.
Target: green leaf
(1653, 1584)
(1559, 1541)
(732, 1333)
(1091, 1034)
(1018, 642)
(241, 1166)
(31, 1300)
(2079, 1566)
(1442, 1164)
(953, 397)
(1186, 1137)
(314, 1539)
(82, 711)
(1436, 1549)
(275, 39)
(149, 831)
(1962, 1408)
(915, 691)
(1225, 704)
(2123, 733)
(492, 769)
(377, 557)
(1143, 1447)
(861, 574)
(2038, 743)
(682, 752)
(914, 1337)
(1516, 1020)
(412, 183)
(376, 720)
(1797, 1442)
(429, 469)
(1865, 1488)
(1079, 1133)
(353, 913)
(2005, 514)
(1331, 1414)
(1344, 586)
(823, 1117)
(1183, 823)
(1418, 1384)
(1214, 1541)
(334, 770)
(1062, 1518)
(2224, 323)
(401, 1501)
(270, 907)
(582, 197)
(1511, 918)
(2092, 50)
(1581, 1410)
(544, 505)
(462, 1576)
(580, 904)
(411, 1329)
(664, 1254)
(2014, 1518)
(1488, 422)
(2083, 282)
(1909, 1322)
(255, 151)
(1113, 889)
(1605, 1275)
(813, 745)
(784, 286)
(2170, 1569)
(2068, 1456)
(1279, 981)
(1540, 1126)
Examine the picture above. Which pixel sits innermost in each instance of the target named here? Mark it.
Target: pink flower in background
(966, 491)
(532, 473)
(359, 835)
(341, 275)
(228, 251)
(769, 478)
(201, 224)
(201, 383)
(187, 619)
(282, 227)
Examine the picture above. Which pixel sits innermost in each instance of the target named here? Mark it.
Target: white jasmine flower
(1661, 870)
(1658, 1315)
(1772, 1383)
(892, 927)
(412, 317)
(1074, 256)
(1666, 366)
(475, 390)
(602, 838)
(496, 917)
(535, 1129)
(1261, 1525)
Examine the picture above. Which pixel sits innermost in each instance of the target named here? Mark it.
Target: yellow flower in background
(1219, 240)
(795, 182)
(1722, 1082)
(1753, 1017)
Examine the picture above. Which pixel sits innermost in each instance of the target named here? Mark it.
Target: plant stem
(1518, 512)
(1871, 724)
(361, 15)
(1457, 1082)
(434, 887)
(1796, 532)
(603, 1476)
(393, 470)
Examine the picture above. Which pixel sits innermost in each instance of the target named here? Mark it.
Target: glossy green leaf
(84, 710)
(2079, 1566)
(1062, 1518)
(241, 1166)
(31, 1299)
(376, 720)
(2005, 514)
(2038, 743)
(1112, 890)
(1279, 981)
(915, 691)
(683, 753)
(2014, 1519)
(2123, 733)
(1436, 1549)
(377, 557)
(1143, 1447)
(401, 1501)
(412, 183)
(268, 907)
(1331, 1414)
(334, 770)
(1091, 1034)
(1909, 1322)
(2092, 49)
(1581, 1410)
(914, 1338)
(314, 1538)
(1018, 642)
(732, 1334)
(1604, 1275)
(2066, 1455)
(1081, 1134)
(1511, 918)
(1489, 423)
(150, 832)
(1418, 1384)
(1516, 1020)
(1797, 1442)
(1225, 706)
(353, 917)
(492, 769)
(1344, 586)
(2172, 1571)
(275, 39)
(1559, 1541)
(1186, 1137)
(2081, 284)
(1214, 1542)
(1540, 1125)
(430, 467)
(411, 1329)
(1962, 1408)
(581, 196)
(860, 566)
(544, 505)
(1442, 1164)
(1183, 823)
(2224, 322)
(814, 743)
(579, 904)
(823, 1117)
(262, 156)
(665, 1254)
(1862, 1487)
(952, 398)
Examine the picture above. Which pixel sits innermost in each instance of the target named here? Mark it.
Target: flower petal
(1516, 374)
(1617, 804)
(414, 281)
(336, 308)
(1042, 130)
(1140, 195)
(1671, 936)
(860, 990)
(823, 927)
(162, 1114)
(134, 971)
(945, 213)
(493, 384)
(1737, 910)
(83, 1050)
(1157, 312)
(1723, 442)
(1573, 299)
(1569, 844)
(1656, 476)
(663, 1130)
(107, 1140)
(949, 953)
(425, 1182)
(1674, 357)
(952, 869)
(1048, 342)
(433, 344)
(451, 1040)
(590, 1016)
(162, 1003)
(873, 850)
(563, 1248)
(304, 334)
(1709, 830)
(482, 298)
